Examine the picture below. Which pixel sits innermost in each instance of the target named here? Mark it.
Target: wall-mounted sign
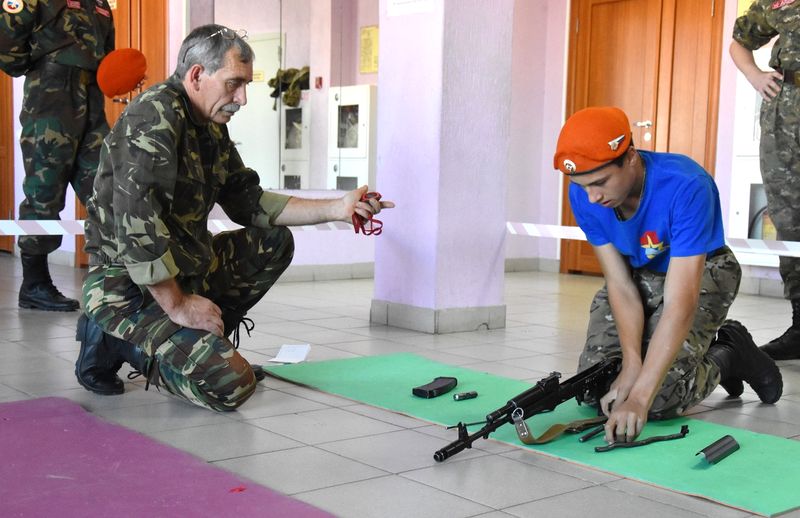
(743, 6)
(369, 50)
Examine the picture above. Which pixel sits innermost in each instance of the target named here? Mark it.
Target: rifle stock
(545, 396)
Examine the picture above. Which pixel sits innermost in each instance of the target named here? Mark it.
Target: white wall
(537, 98)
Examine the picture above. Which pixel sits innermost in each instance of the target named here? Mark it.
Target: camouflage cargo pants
(692, 376)
(780, 171)
(198, 366)
(63, 125)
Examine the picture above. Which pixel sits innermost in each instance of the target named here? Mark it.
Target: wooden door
(139, 24)
(6, 158)
(658, 60)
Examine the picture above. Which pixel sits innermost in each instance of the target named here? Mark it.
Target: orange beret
(120, 71)
(591, 138)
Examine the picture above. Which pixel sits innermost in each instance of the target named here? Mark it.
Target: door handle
(645, 125)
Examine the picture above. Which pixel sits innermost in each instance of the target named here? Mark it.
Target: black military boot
(740, 360)
(232, 321)
(97, 364)
(141, 363)
(787, 346)
(102, 355)
(37, 290)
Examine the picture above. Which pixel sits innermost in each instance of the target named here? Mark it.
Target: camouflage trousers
(63, 125)
(780, 171)
(198, 366)
(692, 375)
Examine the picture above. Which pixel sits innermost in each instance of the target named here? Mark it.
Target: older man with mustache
(162, 293)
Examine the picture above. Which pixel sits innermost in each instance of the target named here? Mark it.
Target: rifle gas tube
(545, 396)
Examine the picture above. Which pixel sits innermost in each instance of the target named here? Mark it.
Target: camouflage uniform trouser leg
(198, 366)
(63, 126)
(780, 171)
(692, 376)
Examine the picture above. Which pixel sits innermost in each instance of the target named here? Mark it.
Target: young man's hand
(626, 421)
(621, 387)
(626, 418)
(768, 83)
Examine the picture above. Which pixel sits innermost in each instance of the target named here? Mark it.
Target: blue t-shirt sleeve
(581, 208)
(692, 225)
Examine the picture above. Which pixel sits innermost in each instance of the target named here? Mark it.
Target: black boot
(97, 364)
(142, 364)
(724, 358)
(740, 360)
(232, 321)
(37, 290)
(101, 357)
(787, 346)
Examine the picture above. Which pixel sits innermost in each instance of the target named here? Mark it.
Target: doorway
(141, 25)
(255, 131)
(659, 61)
(6, 158)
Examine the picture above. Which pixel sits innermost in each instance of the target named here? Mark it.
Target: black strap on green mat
(644, 442)
(525, 435)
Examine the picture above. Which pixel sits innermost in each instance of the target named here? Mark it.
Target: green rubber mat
(762, 477)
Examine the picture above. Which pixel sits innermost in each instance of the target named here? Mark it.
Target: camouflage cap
(590, 139)
(120, 71)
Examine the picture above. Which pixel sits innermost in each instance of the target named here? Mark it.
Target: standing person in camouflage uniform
(162, 293)
(780, 124)
(57, 45)
(655, 223)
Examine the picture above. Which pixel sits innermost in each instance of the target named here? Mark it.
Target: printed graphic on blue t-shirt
(679, 214)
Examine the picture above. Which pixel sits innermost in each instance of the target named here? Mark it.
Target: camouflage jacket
(76, 33)
(769, 18)
(160, 174)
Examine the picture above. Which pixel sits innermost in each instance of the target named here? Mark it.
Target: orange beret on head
(591, 138)
(120, 71)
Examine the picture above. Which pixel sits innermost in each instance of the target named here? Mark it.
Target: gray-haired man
(162, 292)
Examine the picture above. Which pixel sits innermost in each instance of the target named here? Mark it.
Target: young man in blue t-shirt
(655, 223)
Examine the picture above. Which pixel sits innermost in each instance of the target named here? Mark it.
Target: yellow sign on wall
(369, 50)
(744, 5)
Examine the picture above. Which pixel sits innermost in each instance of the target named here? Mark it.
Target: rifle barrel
(463, 443)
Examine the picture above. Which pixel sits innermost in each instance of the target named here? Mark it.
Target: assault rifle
(545, 396)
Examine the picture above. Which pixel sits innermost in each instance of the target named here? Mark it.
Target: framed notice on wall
(369, 50)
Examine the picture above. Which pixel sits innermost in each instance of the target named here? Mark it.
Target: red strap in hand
(369, 226)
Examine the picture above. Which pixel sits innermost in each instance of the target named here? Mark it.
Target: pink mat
(56, 459)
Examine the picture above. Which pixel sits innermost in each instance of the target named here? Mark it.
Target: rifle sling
(555, 431)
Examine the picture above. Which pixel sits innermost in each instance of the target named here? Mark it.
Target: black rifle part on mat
(719, 449)
(545, 396)
(643, 442)
(437, 387)
(594, 432)
(463, 396)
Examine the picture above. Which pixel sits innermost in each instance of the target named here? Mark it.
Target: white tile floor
(357, 461)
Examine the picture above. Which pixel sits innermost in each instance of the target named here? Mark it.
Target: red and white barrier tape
(75, 227)
(752, 246)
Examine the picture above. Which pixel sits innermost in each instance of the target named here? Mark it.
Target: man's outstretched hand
(355, 202)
